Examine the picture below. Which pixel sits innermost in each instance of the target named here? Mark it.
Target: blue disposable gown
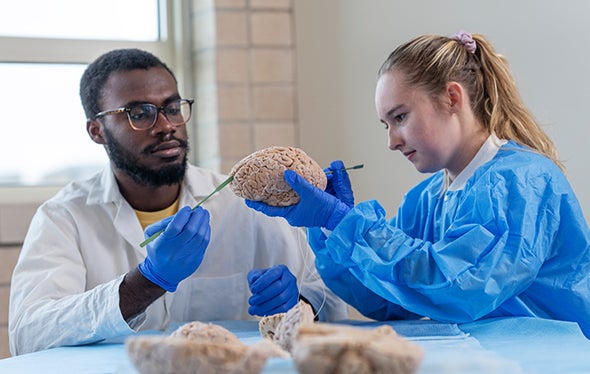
(512, 242)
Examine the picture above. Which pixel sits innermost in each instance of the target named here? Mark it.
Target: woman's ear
(455, 96)
(95, 130)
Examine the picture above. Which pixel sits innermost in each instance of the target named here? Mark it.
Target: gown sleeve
(454, 260)
(343, 283)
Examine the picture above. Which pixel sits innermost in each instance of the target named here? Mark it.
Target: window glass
(81, 19)
(44, 139)
(44, 48)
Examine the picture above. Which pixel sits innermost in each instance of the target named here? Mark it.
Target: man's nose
(163, 124)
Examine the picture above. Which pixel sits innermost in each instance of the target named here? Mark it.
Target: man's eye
(141, 112)
(172, 111)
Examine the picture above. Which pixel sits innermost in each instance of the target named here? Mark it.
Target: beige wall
(244, 78)
(14, 220)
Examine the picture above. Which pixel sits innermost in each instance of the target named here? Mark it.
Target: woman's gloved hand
(179, 250)
(339, 183)
(315, 208)
(274, 290)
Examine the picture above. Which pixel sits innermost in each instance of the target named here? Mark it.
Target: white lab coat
(82, 241)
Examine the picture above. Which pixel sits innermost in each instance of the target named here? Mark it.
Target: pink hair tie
(465, 38)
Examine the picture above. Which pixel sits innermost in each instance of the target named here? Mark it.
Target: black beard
(131, 165)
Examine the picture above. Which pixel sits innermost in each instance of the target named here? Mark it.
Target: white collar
(487, 151)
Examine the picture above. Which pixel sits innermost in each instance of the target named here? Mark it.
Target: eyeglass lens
(144, 116)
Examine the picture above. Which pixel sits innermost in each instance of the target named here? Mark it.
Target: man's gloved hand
(274, 290)
(315, 208)
(179, 250)
(339, 183)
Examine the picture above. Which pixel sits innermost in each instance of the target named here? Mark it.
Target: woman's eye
(386, 125)
(400, 117)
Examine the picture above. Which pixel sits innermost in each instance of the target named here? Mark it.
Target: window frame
(173, 48)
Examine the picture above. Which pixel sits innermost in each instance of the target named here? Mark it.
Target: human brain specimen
(323, 348)
(259, 176)
(199, 331)
(281, 328)
(199, 348)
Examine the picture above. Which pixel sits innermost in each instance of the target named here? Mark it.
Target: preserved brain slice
(281, 328)
(209, 332)
(199, 347)
(259, 176)
(331, 348)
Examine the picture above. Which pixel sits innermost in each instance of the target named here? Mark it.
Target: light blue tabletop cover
(504, 345)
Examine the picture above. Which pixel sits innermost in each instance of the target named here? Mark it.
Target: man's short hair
(98, 72)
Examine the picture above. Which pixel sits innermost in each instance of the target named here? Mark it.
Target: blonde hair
(431, 61)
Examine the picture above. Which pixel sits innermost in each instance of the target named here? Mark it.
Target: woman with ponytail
(496, 230)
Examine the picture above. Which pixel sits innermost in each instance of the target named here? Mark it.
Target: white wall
(341, 44)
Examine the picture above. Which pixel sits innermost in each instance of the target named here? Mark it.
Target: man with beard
(82, 276)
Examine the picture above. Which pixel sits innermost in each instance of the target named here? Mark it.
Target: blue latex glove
(179, 250)
(315, 208)
(274, 290)
(339, 183)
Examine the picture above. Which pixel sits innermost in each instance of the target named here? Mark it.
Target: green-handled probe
(359, 166)
(223, 184)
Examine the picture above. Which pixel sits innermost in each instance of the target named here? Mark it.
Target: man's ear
(455, 96)
(95, 130)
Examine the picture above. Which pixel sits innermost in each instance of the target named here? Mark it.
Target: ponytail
(504, 111)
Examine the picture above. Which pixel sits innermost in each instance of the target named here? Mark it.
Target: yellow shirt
(147, 218)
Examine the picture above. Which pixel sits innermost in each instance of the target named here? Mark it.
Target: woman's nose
(394, 141)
